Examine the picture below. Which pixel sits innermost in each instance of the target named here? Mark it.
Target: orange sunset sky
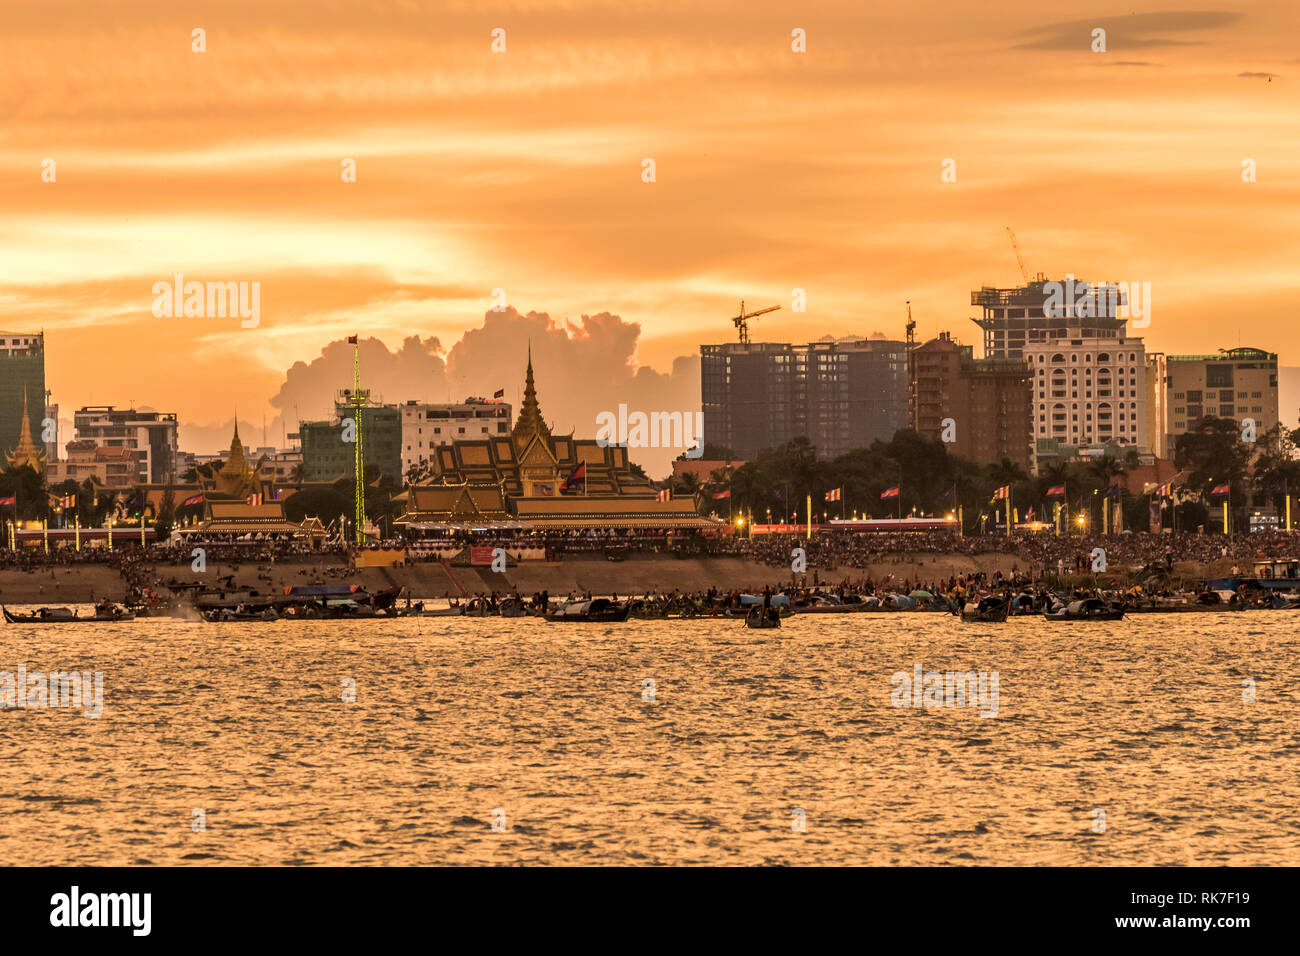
(522, 171)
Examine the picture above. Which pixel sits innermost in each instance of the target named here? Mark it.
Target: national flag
(1165, 491)
(1029, 515)
(578, 474)
(544, 488)
(889, 493)
(951, 494)
(665, 495)
(352, 340)
(1056, 491)
(11, 500)
(191, 501)
(254, 499)
(134, 502)
(721, 495)
(834, 494)
(1113, 492)
(1277, 486)
(1002, 493)
(499, 393)
(1221, 491)
(68, 501)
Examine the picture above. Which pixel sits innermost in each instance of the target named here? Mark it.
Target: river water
(516, 741)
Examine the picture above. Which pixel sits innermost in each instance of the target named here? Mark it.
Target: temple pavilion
(534, 480)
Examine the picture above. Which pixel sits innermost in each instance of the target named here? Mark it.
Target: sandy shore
(639, 573)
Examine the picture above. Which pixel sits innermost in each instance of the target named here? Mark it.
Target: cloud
(1135, 32)
(1257, 76)
(580, 367)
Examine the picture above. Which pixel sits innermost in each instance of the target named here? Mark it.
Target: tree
(27, 486)
(1213, 454)
(324, 503)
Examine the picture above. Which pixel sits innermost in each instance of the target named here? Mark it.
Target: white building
(1089, 390)
(426, 426)
(149, 436)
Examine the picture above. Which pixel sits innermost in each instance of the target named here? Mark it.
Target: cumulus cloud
(581, 368)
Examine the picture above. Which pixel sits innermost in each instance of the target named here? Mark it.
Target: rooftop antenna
(911, 326)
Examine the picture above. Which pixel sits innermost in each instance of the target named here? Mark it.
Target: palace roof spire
(530, 421)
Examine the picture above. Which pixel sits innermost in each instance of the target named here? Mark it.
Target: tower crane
(1015, 246)
(741, 322)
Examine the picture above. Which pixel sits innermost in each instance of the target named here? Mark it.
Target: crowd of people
(1037, 554)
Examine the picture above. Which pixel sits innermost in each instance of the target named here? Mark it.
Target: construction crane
(741, 322)
(1015, 246)
(911, 326)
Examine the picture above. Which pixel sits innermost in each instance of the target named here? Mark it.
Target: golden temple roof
(530, 421)
(26, 452)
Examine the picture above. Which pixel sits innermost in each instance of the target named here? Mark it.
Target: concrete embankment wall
(636, 575)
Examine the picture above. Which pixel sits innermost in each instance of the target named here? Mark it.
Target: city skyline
(775, 171)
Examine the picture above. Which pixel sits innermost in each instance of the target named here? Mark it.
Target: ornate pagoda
(520, 481)
(26, 452)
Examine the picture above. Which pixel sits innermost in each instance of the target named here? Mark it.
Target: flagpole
(1008, 511)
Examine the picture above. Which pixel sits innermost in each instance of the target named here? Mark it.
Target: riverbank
(639, 573)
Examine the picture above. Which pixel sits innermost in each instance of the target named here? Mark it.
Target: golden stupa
(26, 452)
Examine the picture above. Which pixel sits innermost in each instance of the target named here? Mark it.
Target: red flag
(352, 340)
(889, 493)
(192, 501)
(499, 393)
(720, 495)
(11, 500)
(578, 474)
(1003, 492)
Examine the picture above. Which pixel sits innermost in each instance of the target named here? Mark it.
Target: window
(1218, 376)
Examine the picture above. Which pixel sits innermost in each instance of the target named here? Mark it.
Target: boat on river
(990, 609)
(1088, 609)
(63, 615)
(601, 610)
(761, 617)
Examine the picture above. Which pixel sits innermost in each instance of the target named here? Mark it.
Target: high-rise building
(1157, 407)
(1089, 389)
(1089, 374)
(840, 395)
(325, 454)
(980, 406)
(149, 436)
(427, 426)
(51, 432)
(22, 386)
(1235, 384)
(1015, 319)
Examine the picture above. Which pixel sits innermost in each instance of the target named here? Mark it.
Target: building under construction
(1042, 310)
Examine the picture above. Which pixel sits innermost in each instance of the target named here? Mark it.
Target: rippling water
(457, 718)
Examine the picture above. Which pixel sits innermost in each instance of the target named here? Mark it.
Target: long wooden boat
(760, 617)
(601, 610)
(63, 615)
(989, 610)
(1090, 609)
